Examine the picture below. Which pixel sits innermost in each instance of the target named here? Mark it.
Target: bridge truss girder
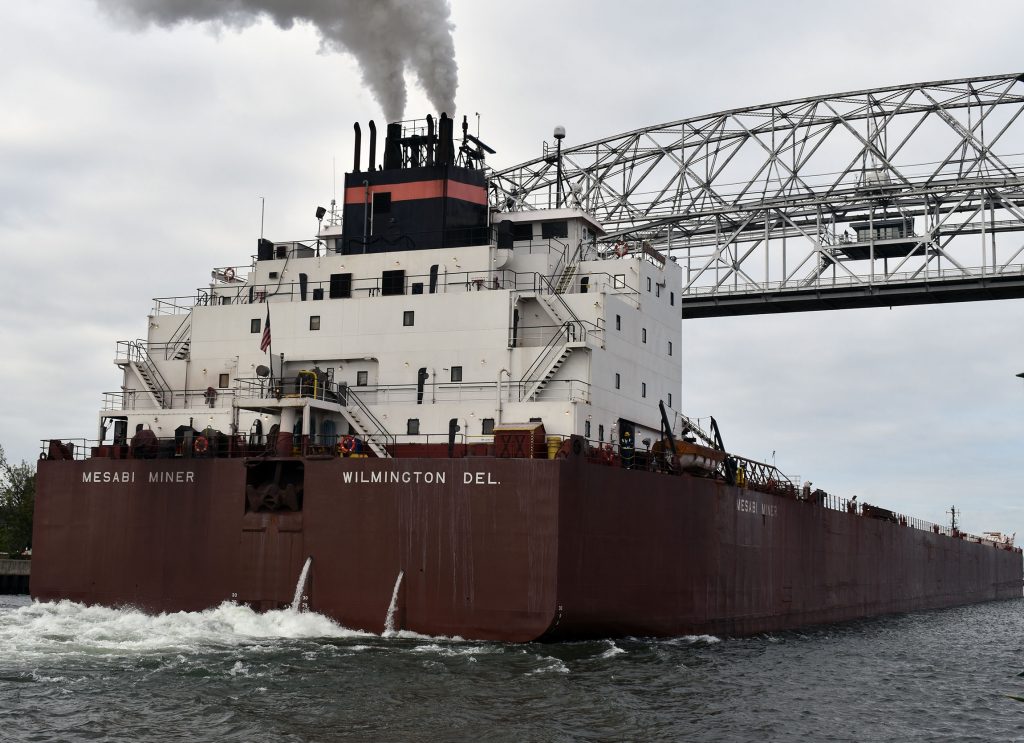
(758, 204)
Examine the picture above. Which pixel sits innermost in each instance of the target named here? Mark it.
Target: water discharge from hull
(297, 599)
(389, 620)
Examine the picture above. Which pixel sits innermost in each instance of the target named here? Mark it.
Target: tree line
(17, 499)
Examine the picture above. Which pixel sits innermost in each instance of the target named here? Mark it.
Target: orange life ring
(229, 274)
(200, 445)
(621, 248)
(348, 444)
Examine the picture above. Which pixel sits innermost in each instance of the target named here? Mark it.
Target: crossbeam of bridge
(890, 196)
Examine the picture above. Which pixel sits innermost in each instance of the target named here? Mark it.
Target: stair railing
(180, 337)
(381, 433)
(546, 287)
(139, 355)
(565, 333)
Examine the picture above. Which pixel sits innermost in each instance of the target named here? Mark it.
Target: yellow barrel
(554, 444)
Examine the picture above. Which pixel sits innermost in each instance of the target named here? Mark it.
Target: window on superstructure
(619, 281)
(586, 429)
(392, 283)
(600, 432)
(223, 381)
(643, 335)
(362, 379)
(670, 399)
(254, 325)
(314, 322)
(456, 373)
(657, 290)
(648, 283)
(618, 381)
(618, 322)
(408, 318)
(522, 231)
(549, 230)
(487, 426)
(672, 298)
(412, 426)
(670, 348)
(643, 389)
(341, 286)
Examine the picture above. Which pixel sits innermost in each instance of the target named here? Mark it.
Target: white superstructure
(392, 346)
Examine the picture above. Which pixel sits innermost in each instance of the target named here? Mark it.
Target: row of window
(412, 426)
(408, 320)
(657, 292)
(548, 230)
(643, 333)
(619, 282)
(643, 388)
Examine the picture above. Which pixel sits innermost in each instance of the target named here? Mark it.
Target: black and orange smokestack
(421, 198)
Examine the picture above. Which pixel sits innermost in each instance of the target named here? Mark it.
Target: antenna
(559, 136)
(952, 517)
(262, 206)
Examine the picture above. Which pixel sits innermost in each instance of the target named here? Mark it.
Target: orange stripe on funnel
(420, 190)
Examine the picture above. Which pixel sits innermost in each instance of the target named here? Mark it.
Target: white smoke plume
(385, 36)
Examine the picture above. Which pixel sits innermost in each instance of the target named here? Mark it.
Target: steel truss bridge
(892, 196)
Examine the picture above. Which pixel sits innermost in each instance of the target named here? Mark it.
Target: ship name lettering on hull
(97, 476)
(479, 478)
(379, 477)
(745, 505)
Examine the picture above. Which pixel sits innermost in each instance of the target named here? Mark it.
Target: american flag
(265, 339)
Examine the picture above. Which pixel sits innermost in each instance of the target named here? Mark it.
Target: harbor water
(75, 673)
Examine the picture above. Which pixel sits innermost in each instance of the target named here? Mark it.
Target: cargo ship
(457, 418)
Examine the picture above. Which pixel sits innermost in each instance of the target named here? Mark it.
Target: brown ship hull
(490, 548)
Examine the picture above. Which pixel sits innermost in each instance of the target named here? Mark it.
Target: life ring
(200, 445)
(229, 274)
(621, 248)
(348, 444)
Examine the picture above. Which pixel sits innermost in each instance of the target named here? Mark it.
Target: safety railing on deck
(179, 399)
(464, 281)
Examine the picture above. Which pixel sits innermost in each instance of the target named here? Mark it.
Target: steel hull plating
(498, 549)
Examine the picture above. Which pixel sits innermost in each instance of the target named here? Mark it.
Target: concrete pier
(14, 576)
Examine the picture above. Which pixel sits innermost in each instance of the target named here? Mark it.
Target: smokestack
(373, 146)
(359, 143)
(393, 147)
(445, 145)
(414, 151)
(430, 140)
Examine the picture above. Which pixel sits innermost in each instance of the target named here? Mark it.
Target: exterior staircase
(135, 356)
(565, 281)
(570, 335)
(182, 351)
(546, 367)
(180, 344)
(366, 425)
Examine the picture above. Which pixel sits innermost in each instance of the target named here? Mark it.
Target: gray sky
(131, 162)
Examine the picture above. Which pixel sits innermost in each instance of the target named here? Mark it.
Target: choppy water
(70, 673)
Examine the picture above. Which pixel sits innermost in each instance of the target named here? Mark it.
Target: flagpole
(270, 345)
